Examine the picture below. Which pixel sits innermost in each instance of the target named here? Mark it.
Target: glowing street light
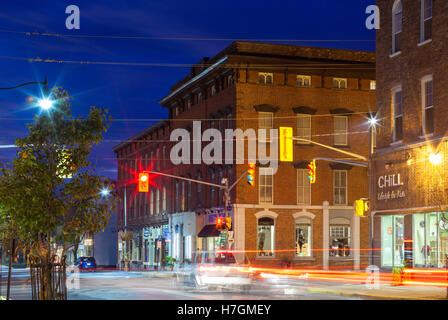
(373, 121)
(435, 158)
(45, 103)
(105, 192)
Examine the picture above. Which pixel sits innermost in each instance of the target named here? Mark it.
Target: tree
(40, 206)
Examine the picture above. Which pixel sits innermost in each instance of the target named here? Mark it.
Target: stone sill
(424, 42)
(393, 55)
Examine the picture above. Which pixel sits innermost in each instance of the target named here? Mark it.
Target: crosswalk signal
(219, 222)
(251, 174)
(312, 171)
(143, 182)
(362, 207)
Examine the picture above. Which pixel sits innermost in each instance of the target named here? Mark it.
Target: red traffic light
(143, 182)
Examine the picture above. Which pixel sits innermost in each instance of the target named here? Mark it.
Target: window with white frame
(397, 21)
(265, 120)
(212, 90)
(303, 81)
(164, 200)
(372, 85)
(426, 20)
(266, 239)
(303, 237)
(266, 185)
(340, 130)
(427, 105)
(397, 109)
(157, 209)
(229, 80)
(303, 127)
(199, 97)
(340, 83)
(265, 78)
(151, 202)
(303, 187)
(340, 237)
(340, 187)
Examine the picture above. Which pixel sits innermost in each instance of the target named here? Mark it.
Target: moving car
(86, 263)
(215, 270)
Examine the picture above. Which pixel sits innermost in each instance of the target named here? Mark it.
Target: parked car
(86, 263)
(212, 271)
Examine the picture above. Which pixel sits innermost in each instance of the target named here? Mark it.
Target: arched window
(340, 237)
(265, 245)
(397, 21)
(303, 237)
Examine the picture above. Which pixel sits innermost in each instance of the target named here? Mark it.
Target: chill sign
(390, 181)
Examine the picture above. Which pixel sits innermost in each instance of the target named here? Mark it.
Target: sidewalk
(385, 292)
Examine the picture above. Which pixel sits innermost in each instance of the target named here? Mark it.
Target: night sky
(131, 93)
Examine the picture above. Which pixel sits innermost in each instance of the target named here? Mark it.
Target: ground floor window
(392, 241)
(265, 237)
(340, 237)
(430, 239)
(303, 237)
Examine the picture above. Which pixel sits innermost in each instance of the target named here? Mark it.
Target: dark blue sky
(132, 92)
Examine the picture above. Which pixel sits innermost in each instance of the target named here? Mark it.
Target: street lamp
(45, 103)
(435, 158)
(105, 192)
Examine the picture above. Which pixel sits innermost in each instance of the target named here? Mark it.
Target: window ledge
(266, 258)
(429, 135)
(304, 259)
(345, 146)
(424, 42)
(341, 258)
(393, 55)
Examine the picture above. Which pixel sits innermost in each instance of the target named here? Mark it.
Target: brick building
(326, 96)
(409, 178)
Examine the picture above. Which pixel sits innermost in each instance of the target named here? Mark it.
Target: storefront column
(326, 233)
(356, 242)
(239, 229)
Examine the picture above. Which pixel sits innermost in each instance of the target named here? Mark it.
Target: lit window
(397, 21)
(303, 187)
(303, 237)
(304, 127)
(426, 20)
(303, 81)
(340, 237)
(392, 240)
(427, 105)
(372, 85)
(265, 78)
(340, 130)
(266, 185)
(266, 228)
(340, 187)
(397, 108)
(340, 83)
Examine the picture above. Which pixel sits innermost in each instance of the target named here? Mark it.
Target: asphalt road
(118, 285)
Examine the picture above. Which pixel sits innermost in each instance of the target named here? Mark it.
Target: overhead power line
(60, 35)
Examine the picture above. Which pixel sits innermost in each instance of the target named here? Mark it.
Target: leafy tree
(40, 206)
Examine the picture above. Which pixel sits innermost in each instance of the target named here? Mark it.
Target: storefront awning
(209, 231)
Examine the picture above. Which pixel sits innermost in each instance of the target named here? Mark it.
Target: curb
(341, 293)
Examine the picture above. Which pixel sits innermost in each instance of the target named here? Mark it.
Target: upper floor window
(397, 109)
(200, 97)
(303, 187)
(303, 81)
(427, 105)
(340, 83)
(340, 187)
(266, 185)
(372, 84)
(164, 200)
(265, 78)
(340, 130)
(397, 21)
(189, 103)
(265, 120)
(157, 209)
(304, 127)
(212, 90)
(229, 80)
(426, 20)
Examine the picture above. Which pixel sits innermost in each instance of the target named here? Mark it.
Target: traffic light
(312, 171)
(251, 174)
(219, 222)
(362, 207)
(286, 146)
(143, 182)
(228, 221)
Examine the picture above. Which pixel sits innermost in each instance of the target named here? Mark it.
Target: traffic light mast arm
(238, 180)
(332, 148)
(354, 163)
(187, 179)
